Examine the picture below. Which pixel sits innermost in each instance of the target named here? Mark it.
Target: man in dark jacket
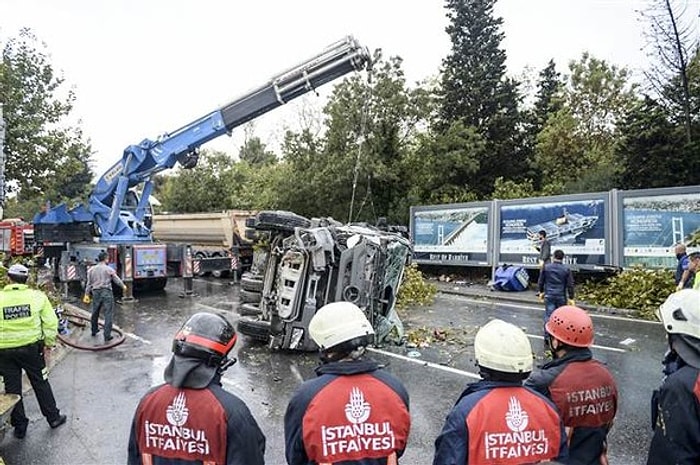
(684, 275)
(353, 412)
(555, 287)
(545, 249)
(676, 404)
(582, 388)
(497, 420)
(191, 419)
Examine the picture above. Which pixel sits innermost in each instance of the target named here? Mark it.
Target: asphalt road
(100, 390)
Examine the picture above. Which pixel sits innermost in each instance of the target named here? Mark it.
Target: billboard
(573, 224)
(653, 223)
(451, 234)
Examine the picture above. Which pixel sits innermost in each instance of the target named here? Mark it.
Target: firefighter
(582, 388)
(676, 404)
(350, 393)
(27, 334)
(497, 420)
(191, 418)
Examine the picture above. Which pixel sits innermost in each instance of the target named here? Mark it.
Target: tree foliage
(45, 158)
(477, 92)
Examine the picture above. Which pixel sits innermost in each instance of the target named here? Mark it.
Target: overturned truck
(300, 265)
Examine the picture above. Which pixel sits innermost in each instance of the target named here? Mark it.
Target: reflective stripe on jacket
(26, 317)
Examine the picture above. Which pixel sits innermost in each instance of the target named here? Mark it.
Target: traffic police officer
(28, 328)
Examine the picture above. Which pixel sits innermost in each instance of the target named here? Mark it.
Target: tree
(353, 171)
(254, 151)
(649, 149)
(476, 91)
(45, 159)
(672, 34)
(576, 149)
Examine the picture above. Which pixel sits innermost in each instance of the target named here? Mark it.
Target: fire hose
(82, 321)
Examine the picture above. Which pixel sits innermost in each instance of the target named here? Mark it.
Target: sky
(141, 68)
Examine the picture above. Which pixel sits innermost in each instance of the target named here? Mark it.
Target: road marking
(594, 346)
(424, 363)
(216, 283)
(541, 309)
(138, 338)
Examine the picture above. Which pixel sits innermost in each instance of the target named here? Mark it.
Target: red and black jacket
(207, 426)
(498, 422)
(585, 393)
(353, 413)
(676, 437)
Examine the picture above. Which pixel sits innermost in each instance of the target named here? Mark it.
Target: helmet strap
(226, 363)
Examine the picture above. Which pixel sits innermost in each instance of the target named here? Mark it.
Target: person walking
(544, 247)
(191, 419)
(694, 267)
(27, 333)
(676, 404)
(684, 276)
(354, 412)
(582, 388)
(555, 287)
(99, 287)
(496, 419)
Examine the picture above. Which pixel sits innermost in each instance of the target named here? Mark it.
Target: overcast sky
(144, 67)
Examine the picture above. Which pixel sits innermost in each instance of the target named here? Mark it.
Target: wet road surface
(99, 391)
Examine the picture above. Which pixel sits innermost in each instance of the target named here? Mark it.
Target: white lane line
(541, 309)
(424, 363)
(138, 338)
(216, 283)
(594, 346)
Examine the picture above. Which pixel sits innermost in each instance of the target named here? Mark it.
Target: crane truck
(117, 219)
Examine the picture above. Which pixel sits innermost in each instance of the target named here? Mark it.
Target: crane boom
(114, 207)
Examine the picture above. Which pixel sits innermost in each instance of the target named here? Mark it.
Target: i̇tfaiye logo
(357, 410)
(178, 412)
(516, 417)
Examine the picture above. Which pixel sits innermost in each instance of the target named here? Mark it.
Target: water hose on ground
(83, 321)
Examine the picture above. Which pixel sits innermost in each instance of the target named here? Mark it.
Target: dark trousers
(102, 299)
(551, 303)
(29, 358)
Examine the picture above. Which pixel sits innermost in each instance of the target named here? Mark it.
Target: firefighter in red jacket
(676, 404)
(353, 412)
(497, 420)
(191, 419)
(582, 388)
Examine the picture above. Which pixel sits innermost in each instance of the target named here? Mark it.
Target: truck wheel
(250, 297)
(255, 329)
(201, 273)
(251, 282)
(249, 309)
(280, 221)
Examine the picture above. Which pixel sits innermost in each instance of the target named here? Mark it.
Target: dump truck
(218, 234)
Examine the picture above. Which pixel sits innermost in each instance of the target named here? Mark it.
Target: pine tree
(477, 92)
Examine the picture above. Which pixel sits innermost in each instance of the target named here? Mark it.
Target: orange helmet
(571, 325)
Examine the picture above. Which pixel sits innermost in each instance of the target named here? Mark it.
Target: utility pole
(2, 165)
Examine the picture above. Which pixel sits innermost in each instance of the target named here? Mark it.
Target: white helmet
(680, 314)
(503, 347)
(338, 322)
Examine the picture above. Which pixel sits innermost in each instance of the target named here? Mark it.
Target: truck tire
(280, 221)
(250, 297)
(251, 282)
(249, 309)
(201, 273)
(255, 329)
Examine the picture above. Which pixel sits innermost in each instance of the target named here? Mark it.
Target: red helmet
(571, 325)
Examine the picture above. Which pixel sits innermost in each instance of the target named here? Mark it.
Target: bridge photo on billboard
(654, 221)
(451, 234)
(576, 224)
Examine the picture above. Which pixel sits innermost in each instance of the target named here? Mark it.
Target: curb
(507, 297)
